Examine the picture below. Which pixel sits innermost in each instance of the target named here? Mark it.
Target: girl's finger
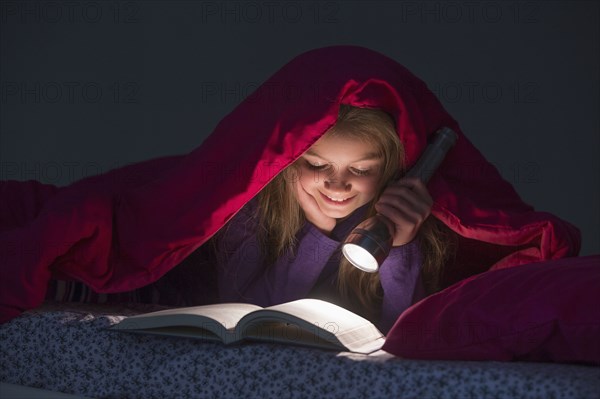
(303, 197)
(414, 213)
(416, 185)
(398, 216)
(406, 199)
(400, 213)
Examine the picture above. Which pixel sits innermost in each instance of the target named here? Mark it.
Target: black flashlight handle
(433, 155)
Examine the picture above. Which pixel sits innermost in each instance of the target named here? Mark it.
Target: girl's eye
(360, 172)
(315, 167)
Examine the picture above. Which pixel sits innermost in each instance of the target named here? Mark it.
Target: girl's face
(341, 174)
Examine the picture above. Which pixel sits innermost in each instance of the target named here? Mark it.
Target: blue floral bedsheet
(66, 348)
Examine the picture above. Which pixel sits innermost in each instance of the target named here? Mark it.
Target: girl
(285, 243)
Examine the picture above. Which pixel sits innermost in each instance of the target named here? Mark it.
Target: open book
(307, 322)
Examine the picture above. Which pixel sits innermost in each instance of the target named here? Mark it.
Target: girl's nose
(337, 185)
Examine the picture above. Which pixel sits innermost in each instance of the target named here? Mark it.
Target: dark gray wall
(88, 86)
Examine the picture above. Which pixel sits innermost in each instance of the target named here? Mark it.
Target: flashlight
(367, 246)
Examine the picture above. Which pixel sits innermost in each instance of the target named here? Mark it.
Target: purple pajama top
(243, 278)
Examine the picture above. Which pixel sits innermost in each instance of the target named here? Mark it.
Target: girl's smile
(337, 202)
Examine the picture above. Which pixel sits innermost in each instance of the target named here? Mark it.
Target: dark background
(87, 86)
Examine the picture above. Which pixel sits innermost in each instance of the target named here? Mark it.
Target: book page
(328, 322)
(269, 331)
(219, 319)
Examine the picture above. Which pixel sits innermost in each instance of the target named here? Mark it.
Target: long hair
(280, 216)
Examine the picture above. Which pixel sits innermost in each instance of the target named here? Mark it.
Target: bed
(65, 349)
(127, 228)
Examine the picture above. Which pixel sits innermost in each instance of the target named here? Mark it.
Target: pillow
(544, 312)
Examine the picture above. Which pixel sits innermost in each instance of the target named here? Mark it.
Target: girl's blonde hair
(360, 291)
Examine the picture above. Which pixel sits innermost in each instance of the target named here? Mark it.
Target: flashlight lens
(360, 258)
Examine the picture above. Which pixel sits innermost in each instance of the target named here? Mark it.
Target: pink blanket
(128, 227)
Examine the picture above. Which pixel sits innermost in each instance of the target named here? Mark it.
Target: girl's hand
(312, 211)
(406, 203)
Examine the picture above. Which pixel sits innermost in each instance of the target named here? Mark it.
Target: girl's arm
(242, 276)
(400, 276)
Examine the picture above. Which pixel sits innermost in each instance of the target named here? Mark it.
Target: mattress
(66, 348)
